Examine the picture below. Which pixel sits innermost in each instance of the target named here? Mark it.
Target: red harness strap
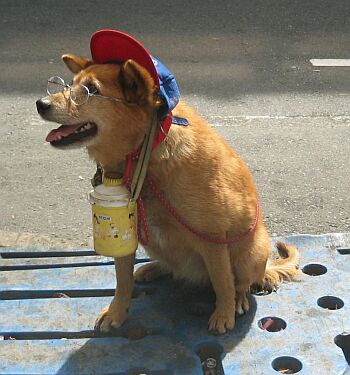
(142, 228)
(171, 209)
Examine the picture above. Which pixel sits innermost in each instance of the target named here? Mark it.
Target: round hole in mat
(330, 303)
(260, 293)
(344, 251)
(314, 269)
(342, 340)
(257, 290)
(272, 324)
(287, 365)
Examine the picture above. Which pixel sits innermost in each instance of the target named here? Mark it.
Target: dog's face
(110, 129)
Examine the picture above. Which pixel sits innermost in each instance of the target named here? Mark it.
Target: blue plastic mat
(49, 304)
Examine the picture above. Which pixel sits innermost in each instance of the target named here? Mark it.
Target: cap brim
(115, 46)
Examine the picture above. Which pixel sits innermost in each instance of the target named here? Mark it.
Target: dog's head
(107, 108)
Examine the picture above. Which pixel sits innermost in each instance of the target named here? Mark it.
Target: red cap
(115, 46)
(112, 45)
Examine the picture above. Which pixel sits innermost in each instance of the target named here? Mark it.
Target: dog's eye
(92, 89)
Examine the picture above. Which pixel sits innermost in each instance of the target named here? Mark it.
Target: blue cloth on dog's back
(169, 90)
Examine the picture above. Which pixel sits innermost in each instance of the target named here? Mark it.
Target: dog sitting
(195, 171)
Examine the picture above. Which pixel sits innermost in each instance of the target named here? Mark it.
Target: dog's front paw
(221, 321)
(110, 318)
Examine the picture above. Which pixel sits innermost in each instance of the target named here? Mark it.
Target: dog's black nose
(43, 105)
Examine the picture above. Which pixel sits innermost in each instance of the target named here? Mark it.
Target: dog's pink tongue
(62, 131)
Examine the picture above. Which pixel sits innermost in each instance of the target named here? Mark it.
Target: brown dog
(196, 172)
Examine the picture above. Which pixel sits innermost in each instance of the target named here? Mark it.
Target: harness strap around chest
(135, 184)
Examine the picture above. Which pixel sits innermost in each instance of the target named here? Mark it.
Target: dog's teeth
(85, 127)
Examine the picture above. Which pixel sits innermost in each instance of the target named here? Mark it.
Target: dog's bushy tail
(285, 268)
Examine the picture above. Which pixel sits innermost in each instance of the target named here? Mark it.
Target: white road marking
(330, 62)
(276, 117)
(222, 121)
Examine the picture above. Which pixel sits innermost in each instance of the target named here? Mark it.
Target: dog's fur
(197, 172)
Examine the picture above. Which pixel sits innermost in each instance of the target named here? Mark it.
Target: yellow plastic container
(114, 218)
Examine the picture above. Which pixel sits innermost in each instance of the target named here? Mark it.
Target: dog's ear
(75, 63)
(138, 85)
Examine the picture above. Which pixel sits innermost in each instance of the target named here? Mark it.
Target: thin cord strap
(203, 236)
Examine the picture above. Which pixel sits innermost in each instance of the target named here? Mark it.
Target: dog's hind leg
(217, 261)
(148, 272)
(285, 268)
(248, 261)
(116, 313)
(242, 281)
(245, 268)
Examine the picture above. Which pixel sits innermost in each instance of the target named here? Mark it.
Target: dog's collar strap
(162, 131)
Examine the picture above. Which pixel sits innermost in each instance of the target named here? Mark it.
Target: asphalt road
(244, 65)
